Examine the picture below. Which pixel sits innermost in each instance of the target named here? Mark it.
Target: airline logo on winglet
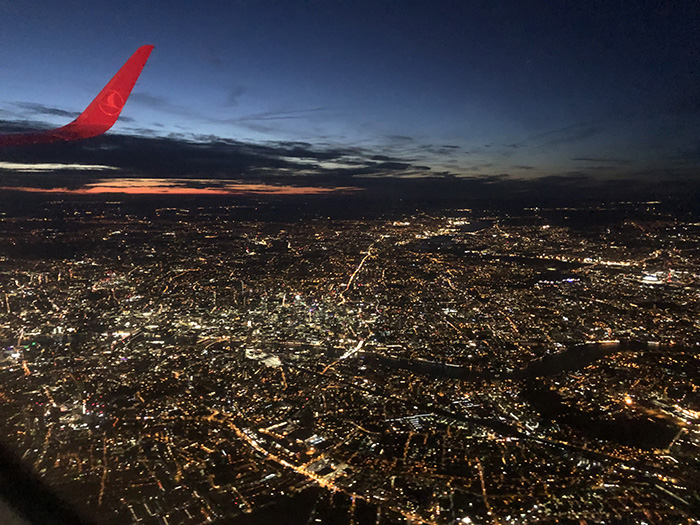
(113, 104)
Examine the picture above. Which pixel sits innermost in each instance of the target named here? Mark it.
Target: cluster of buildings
(467, 366)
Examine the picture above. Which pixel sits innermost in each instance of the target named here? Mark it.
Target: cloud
(572, 177)
(378, 187)
(140, 131)
(568, 134)
(33, 108)
(601, 167)
(400, 138)
(124, 119)
(443, 151)
(602, 159)
(41, 109)
(38, 167)
(159, 103)
(22, 125)
(193, 158)
(276, 115)
(210, 157)
(234, 94)
(392, 166)
(253, 121)
(139, 186)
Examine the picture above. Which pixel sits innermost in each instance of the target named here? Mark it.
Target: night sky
(256, 92)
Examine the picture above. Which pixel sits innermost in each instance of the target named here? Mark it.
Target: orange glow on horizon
(174, 187)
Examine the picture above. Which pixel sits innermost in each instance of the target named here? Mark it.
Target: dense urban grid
(462, 366)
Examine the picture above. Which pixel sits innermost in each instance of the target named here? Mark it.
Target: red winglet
(100, 115)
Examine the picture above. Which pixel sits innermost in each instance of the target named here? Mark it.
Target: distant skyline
(365, 89)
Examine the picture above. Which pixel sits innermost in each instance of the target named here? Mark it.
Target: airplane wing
(99, 116)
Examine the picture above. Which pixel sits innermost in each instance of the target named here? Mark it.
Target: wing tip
(102, 112)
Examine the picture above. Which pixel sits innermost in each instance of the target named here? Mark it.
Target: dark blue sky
(528, 89)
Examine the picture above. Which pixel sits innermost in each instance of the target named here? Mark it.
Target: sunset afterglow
(140, 186)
